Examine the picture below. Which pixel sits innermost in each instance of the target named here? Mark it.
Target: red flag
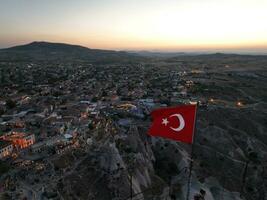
(176, 123)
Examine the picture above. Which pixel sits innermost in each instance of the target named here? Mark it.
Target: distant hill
(46, 46)
(60, 51)
(161, 54)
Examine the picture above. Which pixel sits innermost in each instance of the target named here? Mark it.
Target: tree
(2, 77)
(104, 93)
(10, 103)
(1, 111)
(94, 99)
(3, 168)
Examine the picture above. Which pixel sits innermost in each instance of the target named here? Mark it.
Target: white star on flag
(165, 121)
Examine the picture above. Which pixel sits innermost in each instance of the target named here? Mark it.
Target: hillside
(44, 51)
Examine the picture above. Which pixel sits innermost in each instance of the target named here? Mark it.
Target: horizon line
(197, 50)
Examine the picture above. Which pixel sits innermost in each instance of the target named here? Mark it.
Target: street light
(239, 104)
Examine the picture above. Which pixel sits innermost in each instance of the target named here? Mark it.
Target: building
(20, 140)
(6, 149)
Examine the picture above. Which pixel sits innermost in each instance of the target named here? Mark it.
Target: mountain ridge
(50, 45)
(48, 51)
(41, 51)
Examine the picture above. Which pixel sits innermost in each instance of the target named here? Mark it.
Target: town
(68, 128)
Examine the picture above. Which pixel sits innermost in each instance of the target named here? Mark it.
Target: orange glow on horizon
(170, 25)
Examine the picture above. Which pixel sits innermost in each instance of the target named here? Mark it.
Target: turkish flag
(176, 123)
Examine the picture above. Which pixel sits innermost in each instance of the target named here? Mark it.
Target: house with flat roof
(6, 149)
(20, 140)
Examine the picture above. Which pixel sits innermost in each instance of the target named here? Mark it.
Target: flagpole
(191, 159)
(190, 172)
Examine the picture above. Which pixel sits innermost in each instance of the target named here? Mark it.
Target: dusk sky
(174, 25)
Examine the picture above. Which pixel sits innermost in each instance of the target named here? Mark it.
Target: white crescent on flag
(181, 120)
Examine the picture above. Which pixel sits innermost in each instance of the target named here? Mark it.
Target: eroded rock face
(156, 167)
(130, 162)
(115, 165)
